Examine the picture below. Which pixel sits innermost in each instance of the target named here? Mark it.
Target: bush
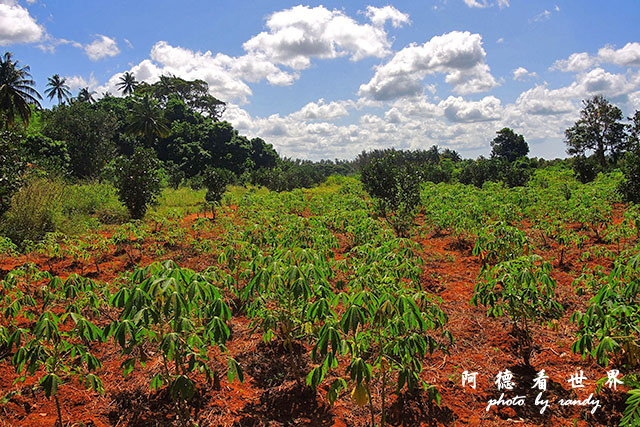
(216, 180)
(477, 172)
(396, 190)
(585, 168)
(35, 210)
(11, 168)
(94, 199)
(630, 187)
(138, 180)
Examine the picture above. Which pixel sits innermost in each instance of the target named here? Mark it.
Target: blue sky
(328, 80)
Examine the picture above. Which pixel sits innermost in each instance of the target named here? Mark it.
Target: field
(319, 314)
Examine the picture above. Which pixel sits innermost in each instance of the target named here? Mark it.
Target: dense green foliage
(396, 190)
(509, 145)
(137, 180)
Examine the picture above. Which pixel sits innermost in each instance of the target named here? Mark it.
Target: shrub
(216, 181)
(137, 180)
(396, 190)
(585, 168)
(11, 168)
(630, 187)
(94, 199)
(35, 210)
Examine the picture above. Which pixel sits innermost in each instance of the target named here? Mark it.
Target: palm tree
(147, 120)
(85, 95)
(57, 86)
(128, 84)
(16, 91)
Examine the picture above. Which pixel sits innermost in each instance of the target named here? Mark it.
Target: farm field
(304, 308)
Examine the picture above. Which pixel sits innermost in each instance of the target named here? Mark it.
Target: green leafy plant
(54, 350)
(522, 289)
(216, 181)
(183, 314)
(396, 190)
(137, 179)
(499, 242)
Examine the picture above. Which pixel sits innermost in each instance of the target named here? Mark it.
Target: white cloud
(458, 110)
(628, 55)
(227, 76)
(522, 73)
(542, 101)
(503, 3)
(477, 3)
(545, 15)
(128, 43)
(17, 25)
(380, 15)
(459, 55)
(101, 47)
(576, 62)
(79, 82)
(296, 35)
(500, 40)
(322, 111)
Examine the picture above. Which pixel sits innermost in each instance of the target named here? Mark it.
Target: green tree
(16, 91)
(127, 83)
(57, 87)
(147, 120)
(88, 132)
(396, 189)
(630, 186)
(137, 179)
(598, 129)
(509, 145)
(11, 167)
(85, 95)
(194, 93)
(634, 132)
(216, 181)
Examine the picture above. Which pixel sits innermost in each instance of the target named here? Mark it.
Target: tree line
(172, 131)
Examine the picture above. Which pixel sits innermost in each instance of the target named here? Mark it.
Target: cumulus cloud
(322, 111)
(79, 82)
(542, 101)
(459, 55)
(17, 25)
(380, 15)
(576, 62)
(626, 56)
(227, 76)
(522, 73)
(101, 47)
(296, 35)
(458, 110)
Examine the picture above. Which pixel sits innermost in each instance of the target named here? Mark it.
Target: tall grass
(44, 205)
(180, 202)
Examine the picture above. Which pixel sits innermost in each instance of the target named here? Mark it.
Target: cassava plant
(385, 337)
(54, 350)
(182, 314)
(522, 289)
(609, 330)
